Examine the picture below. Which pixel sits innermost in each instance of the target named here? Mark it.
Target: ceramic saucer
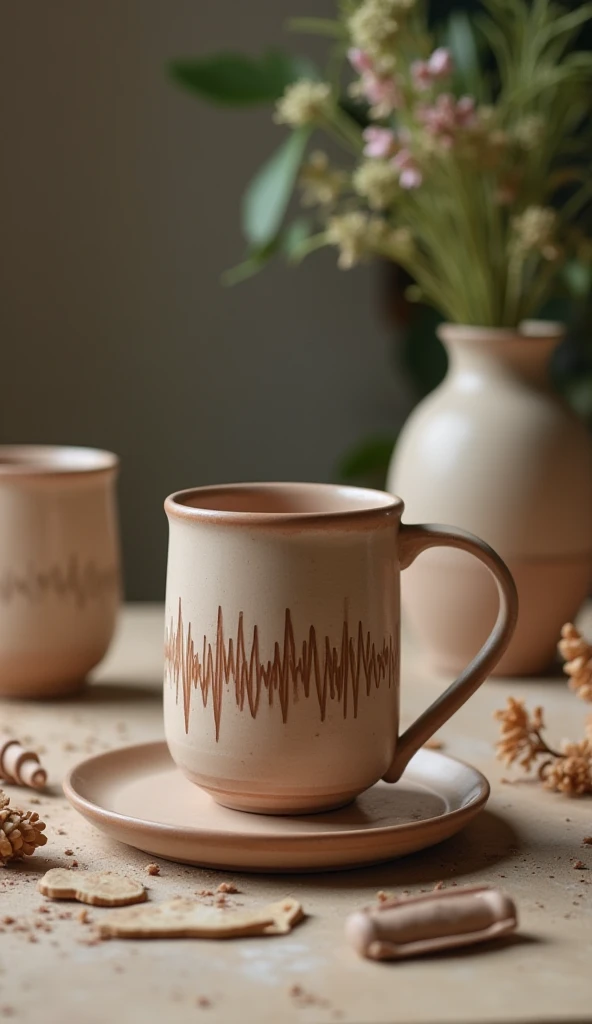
(138, 796)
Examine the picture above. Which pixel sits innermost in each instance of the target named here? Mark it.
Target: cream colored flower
(349, 232)
(356, 234)
(377, 181)
(534, 231)
(359, 235)
(303, 102)
(529, 131)
(321, 185)
(374, 27)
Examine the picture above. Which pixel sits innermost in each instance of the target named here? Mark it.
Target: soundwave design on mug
(82, 582)
(313, 669)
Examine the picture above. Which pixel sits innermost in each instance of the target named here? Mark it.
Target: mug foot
(277, 803)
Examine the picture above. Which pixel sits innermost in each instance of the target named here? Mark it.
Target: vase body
(495, 451)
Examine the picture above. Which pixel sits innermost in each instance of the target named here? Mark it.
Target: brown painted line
(311, 669)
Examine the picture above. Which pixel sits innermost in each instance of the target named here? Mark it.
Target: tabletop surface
(526, 841)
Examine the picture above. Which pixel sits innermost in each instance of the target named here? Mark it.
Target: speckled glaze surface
(281, 689)
(59, 567)
(137, 796)
(495, 451)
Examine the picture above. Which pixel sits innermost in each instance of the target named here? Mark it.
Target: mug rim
(384, 504)
(33, 461)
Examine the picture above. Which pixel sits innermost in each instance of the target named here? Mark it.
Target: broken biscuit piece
(186, 918)
(99, 888)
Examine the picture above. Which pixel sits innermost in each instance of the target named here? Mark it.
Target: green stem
(317, 27)
(311, 244)
(344, 129)
(577, 202)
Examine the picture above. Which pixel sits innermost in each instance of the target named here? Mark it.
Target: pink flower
(440, 64)
(421, 76)
(465, 111)
(446, 116)
(380, 142)
(410, 175)
(359, 60)
(425, 72)
(382, 93)
(410, 178)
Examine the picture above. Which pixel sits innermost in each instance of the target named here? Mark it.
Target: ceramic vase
(494, 450)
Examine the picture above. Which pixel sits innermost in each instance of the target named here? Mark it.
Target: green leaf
(234, 79)
(268, 194)
(463, 46)
(368, 460)
(286, 242)
(579, 395)
(294, 238)
(578, 277)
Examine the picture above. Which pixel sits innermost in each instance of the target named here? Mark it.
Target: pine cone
(578, 661)
(21, 832)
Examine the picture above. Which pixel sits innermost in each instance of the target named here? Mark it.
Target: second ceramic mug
(59, 566)
(281, 690)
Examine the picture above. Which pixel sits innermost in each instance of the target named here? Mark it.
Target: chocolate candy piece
(429, 923)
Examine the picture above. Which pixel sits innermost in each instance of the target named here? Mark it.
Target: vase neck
(490, 351)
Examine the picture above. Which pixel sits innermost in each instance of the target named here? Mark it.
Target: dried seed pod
(20, 766)
(429, 923)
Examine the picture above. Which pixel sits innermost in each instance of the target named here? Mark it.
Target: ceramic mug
(59, 566)
(281, 691)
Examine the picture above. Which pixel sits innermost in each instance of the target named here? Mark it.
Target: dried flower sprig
(577, 653)
(570, 773)
(569, 769)
(521, 735)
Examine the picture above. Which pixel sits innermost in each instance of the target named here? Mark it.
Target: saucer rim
(93, 811)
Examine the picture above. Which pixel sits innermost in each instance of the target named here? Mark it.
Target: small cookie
(186, 918)
(99, 888)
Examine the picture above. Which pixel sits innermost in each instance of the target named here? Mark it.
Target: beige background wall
(118, 210)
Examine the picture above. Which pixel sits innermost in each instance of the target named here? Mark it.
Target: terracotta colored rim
(343, 504)
(29, 461)
(150, 753)
(529, 331)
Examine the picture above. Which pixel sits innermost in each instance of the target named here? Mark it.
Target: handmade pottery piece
(495, 451)
(281, 691)
(59, 567)
(137, 796)
(431, 922)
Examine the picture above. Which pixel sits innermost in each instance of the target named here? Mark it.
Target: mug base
(278, 803)
(42, 690)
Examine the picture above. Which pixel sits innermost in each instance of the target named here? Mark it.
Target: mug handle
(412, 541)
